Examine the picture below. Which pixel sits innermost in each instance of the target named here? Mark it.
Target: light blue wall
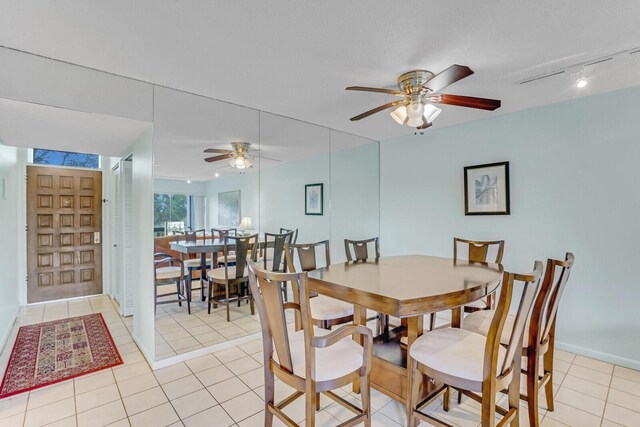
(574, 187)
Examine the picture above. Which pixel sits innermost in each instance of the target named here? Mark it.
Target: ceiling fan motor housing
(413, 82)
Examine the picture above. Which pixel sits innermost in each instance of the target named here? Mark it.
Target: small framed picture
(486, 189)
(313, 199)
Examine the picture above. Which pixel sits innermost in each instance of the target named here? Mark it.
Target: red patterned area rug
(51, 352)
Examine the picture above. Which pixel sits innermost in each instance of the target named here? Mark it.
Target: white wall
(143, 314)
(179, 186)
(11, 175)
(574, 187)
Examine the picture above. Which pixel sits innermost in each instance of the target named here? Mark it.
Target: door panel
(64, 233)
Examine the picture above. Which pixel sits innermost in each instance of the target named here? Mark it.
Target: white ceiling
(37, 126)
(295, 57)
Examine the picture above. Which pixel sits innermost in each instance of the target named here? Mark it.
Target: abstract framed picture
(313, 199)
(486, 189)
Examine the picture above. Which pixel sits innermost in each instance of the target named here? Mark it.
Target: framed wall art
(313, 199)
(486, 189)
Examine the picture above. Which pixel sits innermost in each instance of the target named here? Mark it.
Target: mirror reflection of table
(407, 287)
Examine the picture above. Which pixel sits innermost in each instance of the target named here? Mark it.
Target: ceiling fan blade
(217, 150)
(375, 89)
(449, 76)
(466, 101)
(424, 125)
(216, 158)
(377, 110)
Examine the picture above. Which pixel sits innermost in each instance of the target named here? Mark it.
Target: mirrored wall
(222, 166)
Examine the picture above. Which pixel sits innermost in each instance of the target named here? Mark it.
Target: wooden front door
(64, 233)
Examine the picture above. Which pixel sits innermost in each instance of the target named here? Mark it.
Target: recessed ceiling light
(217, 174)
(582, 82)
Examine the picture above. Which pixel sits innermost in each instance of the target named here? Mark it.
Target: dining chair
(222, 233)
(194, 264)
(272, 253)
(325, 311)
(233, 276)
(474, 363)
(477, 251)
(307, 359)
(294, 239)
(169, 270)
(358, 250)
(539, 338)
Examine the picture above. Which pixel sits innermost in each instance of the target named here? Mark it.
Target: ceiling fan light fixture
(415, 110)
(431, 112)
(399, 114)
(414, 123)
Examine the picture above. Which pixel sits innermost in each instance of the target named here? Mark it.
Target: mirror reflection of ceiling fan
(419, 90)
(241, 156)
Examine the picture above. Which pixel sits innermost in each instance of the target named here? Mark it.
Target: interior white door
(128, 266)
(116, 234)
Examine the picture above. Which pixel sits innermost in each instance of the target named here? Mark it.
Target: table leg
(456, 317)
(359, 318)
(415, 328)
(203, 272)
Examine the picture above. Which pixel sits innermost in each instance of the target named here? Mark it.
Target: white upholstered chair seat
(332, 362)
(230, 258)
(218, 274)
(480, 322)
(167, 273)
(453, 352)
(480, 304)
(327, 308)
(195, 262)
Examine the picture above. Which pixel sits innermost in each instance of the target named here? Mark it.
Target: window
(177, 212)
(65, 158)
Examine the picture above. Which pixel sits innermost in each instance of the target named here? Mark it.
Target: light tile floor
(226, 388)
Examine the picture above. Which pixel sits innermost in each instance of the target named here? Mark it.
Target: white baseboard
(204, 351)
(599, 355)
(143, 349)
(7, 331)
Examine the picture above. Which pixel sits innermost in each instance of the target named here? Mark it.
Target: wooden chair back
(360, 249)
(478, 251)
(192, 236)
(294, 239)
(246, 248)
(545, 309)
(530, 285)
(266, 290)
(307, 255)
(222, 232)
(277, 242)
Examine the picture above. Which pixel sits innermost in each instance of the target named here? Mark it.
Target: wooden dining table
(406, 287)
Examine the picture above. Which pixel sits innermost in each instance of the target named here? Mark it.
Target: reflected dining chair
(233, 276)
(308, 359)
(168, 271)
(221, 233)
(473, 363)
(325, 311)
(358, 251)
(194, 264)
(272, 253)
(294, 239)
(539, 338)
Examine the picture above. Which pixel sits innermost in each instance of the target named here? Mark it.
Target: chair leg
(532, 387)
(548, 368)
(414, 377)
(365, 396)
(187, 285)
(432, 321)
(226, 294)
(489, 408)
(209, 298)
(446, 398)
(317, 402)
(269, 396)
(251, 307)
(310, 404)
(178, 292)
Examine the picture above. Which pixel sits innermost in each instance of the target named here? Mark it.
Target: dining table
(406, 287)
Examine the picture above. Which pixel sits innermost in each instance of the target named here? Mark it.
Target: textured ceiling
(295, 57)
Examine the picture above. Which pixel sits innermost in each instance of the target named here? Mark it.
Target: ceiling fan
(240, 157)
(419, 90)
